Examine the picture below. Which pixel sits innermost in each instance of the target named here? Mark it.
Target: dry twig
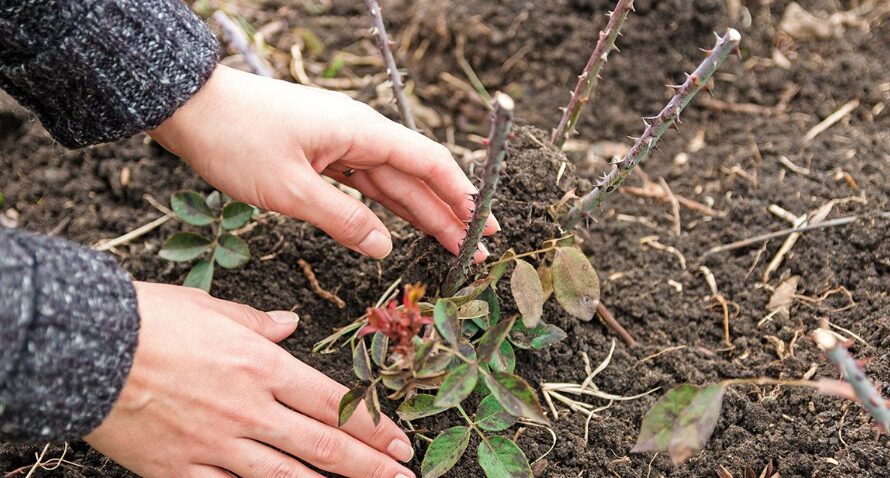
(317, 288)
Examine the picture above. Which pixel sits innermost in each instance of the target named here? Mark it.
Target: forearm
(68, 329)
(99, 70)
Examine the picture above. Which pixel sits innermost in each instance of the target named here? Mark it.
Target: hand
(209, 391)
(266, 142)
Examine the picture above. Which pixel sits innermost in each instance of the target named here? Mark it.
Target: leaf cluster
(471, 348)
(222, 247)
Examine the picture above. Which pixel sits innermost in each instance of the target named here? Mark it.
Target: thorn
(706, 51)
(719, 38)
(615, 47)
(674, 87)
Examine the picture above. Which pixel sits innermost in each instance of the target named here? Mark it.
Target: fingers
(360, 181)
(252, 459)
(330, 448)
(206, 471)
(275, 326)
(386, 142)
(344, 218)
(435, 217)
(313, 394)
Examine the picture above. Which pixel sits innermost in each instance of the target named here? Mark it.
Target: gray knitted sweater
(92, 71)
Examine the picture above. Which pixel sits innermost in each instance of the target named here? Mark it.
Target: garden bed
(728, 159)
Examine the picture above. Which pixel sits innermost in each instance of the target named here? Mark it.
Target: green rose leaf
(481, 388)
(373, 404)
(474, 309)
(418, 406)
(546, 276)
(445, 316)
(471, 291)
(201, 275)
(682, 421)
(444, 451)
(349, 403)
(575, 283)
(499, 457)
(515, 395)
(236, 214)
(492, 338)
(492, 417)
(191, 208)
(231, 251)
(527, 292)
(494, 309)
(542, 336)
(397, 381)
(504, 359)
(379, 344)
(457, 386)
(498, 270)
(361, 363)
(184, 246)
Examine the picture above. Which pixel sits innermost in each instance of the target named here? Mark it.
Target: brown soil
(79, 195)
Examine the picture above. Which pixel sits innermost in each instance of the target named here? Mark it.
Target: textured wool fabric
(68, 330)
(99, 70)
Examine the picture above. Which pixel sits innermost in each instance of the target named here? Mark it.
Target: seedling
(682, 421)
(225, 249)
(470, 347)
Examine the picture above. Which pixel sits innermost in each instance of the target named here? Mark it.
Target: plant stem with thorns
(590, 77)
(389, 62)
(497, 150)
(868, 395)
(656, 126)
(234, 35)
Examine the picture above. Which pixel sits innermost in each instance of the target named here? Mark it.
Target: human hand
(209, 392)
(266, 142)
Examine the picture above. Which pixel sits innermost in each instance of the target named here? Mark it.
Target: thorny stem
(590, 77)
(236, 38)
(656, 126)
(497, 150)
(869, 396)
(383, 43)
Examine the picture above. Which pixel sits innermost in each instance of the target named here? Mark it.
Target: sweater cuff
(69, 330)
(99, 70)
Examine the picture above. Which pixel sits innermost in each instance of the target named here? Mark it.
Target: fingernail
(493, 220)
(376, 245)
(400, 450)
(284, 317)
(484, 249)
(402, 475)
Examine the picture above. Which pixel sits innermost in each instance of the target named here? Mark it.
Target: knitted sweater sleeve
(68, 331)
(99, 70)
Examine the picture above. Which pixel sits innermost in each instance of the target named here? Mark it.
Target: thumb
(345, 219)
(275, 326)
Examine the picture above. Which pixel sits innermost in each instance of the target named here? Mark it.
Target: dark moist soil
(79, 195)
